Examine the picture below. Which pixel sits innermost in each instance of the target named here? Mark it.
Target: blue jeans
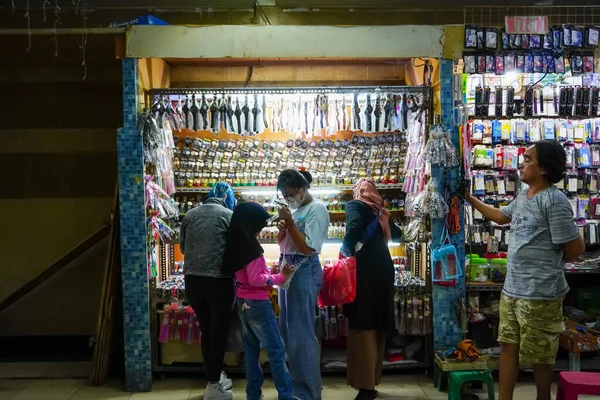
(260, 327)
(297, 322)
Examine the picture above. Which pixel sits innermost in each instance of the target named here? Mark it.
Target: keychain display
(413, 305)
(204, 162)
(430, 202)
(439, 151)
(158, 146)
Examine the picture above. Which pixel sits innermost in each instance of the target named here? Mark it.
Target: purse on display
(339, 278)
(444, 260)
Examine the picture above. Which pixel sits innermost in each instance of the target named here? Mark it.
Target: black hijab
(242, 246)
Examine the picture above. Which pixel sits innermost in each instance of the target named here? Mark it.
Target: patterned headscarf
(225, 192)
(366, 191)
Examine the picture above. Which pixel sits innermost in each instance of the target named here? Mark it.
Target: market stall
(244, 135)
(513, 90)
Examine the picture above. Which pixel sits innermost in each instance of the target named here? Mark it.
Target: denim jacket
(203, 237)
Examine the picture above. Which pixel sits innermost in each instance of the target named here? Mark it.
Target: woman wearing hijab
(371, 315)
(210, 292)
(244, 258)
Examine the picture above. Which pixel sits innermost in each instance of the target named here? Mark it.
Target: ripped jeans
(297, 320)
(260, 328)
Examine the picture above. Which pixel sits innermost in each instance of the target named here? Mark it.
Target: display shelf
(290, 90)
(395, 212)
(575, 271)
(195, 368)
(535, 117)
(485, 286)
(328, 242)
(314, 189)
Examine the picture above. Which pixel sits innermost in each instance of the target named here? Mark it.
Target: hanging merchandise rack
(291, 90)
(339, 134)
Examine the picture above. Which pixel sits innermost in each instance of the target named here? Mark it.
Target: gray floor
(400, 387)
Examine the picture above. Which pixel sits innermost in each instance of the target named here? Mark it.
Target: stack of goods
(332, 323)
(179, 323)
(529, 53)
(564, 114)
(412, 305)
(172, 287)
(550, 101)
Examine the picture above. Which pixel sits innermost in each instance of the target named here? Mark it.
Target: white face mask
(296, 201)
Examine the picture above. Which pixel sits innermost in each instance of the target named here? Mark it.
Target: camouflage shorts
(532, 324)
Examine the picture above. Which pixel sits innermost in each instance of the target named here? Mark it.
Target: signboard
(535, 25)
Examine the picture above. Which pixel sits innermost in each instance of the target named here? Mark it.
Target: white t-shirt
(313, 221)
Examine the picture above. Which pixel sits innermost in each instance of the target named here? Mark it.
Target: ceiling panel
(162, 4)
(428, 4)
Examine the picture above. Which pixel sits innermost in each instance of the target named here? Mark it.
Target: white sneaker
(216, 392)
(225, 382)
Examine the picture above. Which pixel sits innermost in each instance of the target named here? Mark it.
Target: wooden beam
(288, 75)
(53, 269)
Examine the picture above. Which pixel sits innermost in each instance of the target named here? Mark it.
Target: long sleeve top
(254, 278)
(203, 235)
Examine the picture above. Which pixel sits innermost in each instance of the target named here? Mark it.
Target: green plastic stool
(456, 379)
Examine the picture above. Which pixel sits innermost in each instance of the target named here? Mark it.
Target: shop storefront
(360, 103)
(514, 89)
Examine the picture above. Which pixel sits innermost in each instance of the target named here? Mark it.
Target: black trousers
(212, 300)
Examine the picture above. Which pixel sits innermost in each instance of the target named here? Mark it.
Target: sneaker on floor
(216, 392)
(225, 382)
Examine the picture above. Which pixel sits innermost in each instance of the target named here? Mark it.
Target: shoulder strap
(370, 228)
(444, 237)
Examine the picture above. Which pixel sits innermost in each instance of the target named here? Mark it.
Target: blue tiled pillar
(136, 312)
(446, 327)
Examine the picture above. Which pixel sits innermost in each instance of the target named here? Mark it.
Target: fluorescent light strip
(335, 244)
(275, 193)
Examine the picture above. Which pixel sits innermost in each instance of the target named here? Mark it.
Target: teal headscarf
(224, 191)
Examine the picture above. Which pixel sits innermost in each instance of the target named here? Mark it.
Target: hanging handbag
(444, 260)
(339, 278)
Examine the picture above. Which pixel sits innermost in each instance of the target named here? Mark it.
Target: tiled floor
(400, 387)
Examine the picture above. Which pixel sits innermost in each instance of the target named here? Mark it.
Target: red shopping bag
(339, 283)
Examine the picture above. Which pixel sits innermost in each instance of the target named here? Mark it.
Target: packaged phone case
(557, 38)
(548, 41)
(549, 66)
(491, 39)
(444, 260)
(505, 41)
(591, 37)
(576, 37)
(528, 63)
(566, 36)
(559, 64)
(490, 64)
(538, 63)
(481, 63)
(509, 62)
(499, 65)
(588, 63)
(480, 38)
(576, 64)
(519, 63)
(469, 64)
(470, 37)
(535, 42)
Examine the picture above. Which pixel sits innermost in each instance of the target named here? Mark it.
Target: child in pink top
(252, 280)
(244, 258)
